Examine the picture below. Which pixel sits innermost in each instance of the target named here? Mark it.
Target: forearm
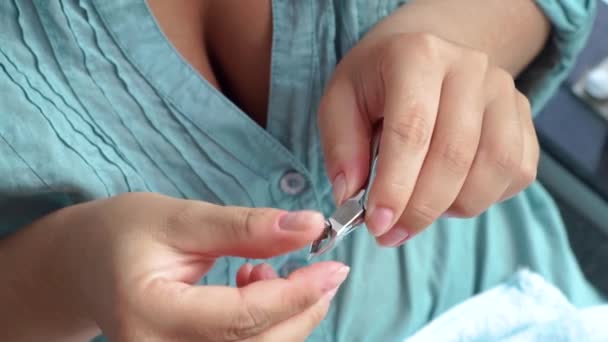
(37, 303)
(511, 32)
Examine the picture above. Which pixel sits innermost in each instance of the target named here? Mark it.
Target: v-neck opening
(170, 73)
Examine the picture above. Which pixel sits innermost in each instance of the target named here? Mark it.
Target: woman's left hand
(457, 135)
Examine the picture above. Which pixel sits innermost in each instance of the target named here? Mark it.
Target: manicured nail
(335, 279)
(298, 220)
(328, 296)
(380, 220)
(395, 237)
(339, 185)
(448, 214)
(267, 272)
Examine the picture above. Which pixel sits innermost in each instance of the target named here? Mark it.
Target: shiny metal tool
(351, 214)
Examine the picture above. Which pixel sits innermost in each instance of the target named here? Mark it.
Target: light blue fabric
(572, 21)
(526, 308)
(94, 102)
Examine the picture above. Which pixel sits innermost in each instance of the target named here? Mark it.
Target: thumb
(245, 232)
(346, 137)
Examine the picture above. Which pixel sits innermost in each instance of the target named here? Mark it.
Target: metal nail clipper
(351, 213)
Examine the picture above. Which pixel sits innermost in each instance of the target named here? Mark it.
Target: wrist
(511, 33)
(42, 296)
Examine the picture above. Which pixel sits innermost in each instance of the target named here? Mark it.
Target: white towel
(525, 308)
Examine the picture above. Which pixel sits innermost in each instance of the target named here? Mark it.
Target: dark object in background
(574, 140)
(570, 130)
(592, 88)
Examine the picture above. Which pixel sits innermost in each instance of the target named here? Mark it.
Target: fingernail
(448, 214)
(380, 220)
(395, 237)
(339, 185)
(328, 296)
(335, 279)
(267, 272)
(297, 220)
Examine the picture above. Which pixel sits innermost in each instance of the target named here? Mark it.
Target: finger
(499, 153)
(235, 314)
(213, 230)
(412, 90)
(531, 150)
(243, 275)
(299, 327)
(345, 134)
(262, 272)
(451, 153)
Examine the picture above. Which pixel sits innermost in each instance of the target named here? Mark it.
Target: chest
(227, 42)
(124, 111)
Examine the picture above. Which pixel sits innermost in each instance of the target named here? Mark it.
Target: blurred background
(573, 133)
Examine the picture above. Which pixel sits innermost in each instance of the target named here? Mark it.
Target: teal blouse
(95, 101)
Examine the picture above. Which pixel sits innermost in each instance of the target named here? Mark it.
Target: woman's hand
(457, 135)
(128, 264)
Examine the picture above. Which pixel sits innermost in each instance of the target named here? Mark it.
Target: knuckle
(528, 174)
(500, 156)
(415, 131)
(389, 54)
(503, 81)
(423, 215)
(478, 58)
(242, 223)
(505, 161)
(247, 322)
(183, 215)
(203, 332)
(176, 219)
(524, 103)
(300, 302)
(392, 191)
(420, 44)
(468, 208)
(428, 45)
(457, 157)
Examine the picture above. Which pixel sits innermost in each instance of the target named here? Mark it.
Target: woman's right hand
(133, 260)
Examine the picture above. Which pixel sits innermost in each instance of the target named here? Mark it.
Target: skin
(127, 265)
(457, 137)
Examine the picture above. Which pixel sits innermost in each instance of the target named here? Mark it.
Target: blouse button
(292, 183)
